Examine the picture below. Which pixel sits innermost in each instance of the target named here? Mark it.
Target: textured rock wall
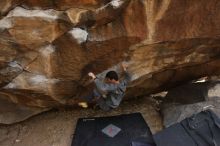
(48, 47)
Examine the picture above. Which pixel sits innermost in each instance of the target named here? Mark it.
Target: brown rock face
(48, 47)
(187, 24)
(35, 32)
(12, 59)
(5, 6)
(12, 112)
(6, 48)
(63, 4)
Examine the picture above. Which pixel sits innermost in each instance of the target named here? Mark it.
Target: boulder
(193, 92)
(185, 100)
(13, 58)
(13, 113)
(165, 43)
(174, 113)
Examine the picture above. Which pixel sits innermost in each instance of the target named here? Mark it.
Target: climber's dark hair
(112, 75)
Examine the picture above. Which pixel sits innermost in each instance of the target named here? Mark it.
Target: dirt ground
(56, 127)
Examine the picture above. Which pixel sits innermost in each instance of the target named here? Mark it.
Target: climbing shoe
(83, 104)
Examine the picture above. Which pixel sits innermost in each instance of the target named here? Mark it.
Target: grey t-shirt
(115, 92)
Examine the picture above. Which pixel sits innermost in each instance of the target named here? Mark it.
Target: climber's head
(111, 77)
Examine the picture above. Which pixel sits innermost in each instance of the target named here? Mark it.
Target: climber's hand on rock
(92, 75)
(124, 66)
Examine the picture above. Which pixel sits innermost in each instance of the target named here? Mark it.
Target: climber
(108, 94)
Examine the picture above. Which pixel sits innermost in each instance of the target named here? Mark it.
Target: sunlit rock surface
(48, 47)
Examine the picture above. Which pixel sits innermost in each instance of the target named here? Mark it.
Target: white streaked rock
(21, 12)
(5, 23)
(15, 64)
(116, 3)
(79, 34)
(49, 14)
(10, 86)
(47, 50)
(41, 79)
(31, 81)
(37, 79)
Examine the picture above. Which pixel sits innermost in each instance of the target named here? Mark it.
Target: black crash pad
(122, 130)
